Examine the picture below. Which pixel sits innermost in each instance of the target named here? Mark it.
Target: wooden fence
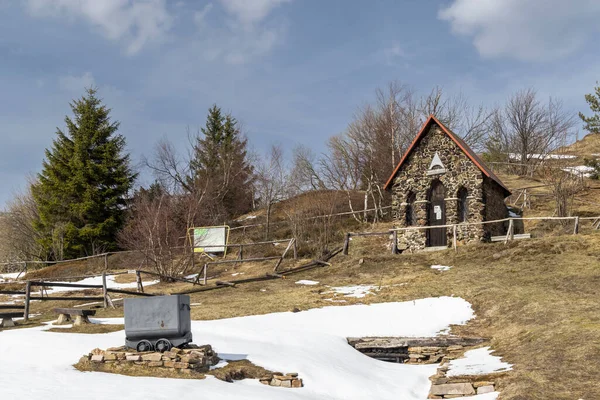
(43, 295)
(509, 235)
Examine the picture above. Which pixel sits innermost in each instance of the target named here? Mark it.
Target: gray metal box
(157, 318)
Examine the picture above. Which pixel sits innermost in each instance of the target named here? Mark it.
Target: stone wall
(495, 208)
(194, 359)
(459, 171)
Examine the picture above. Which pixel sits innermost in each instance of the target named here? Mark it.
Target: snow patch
(358, 291)
(441, 267)
(97, 280)
(514, 156)
(306, 282)
(478, 362)
(582, 170)
(312, 343)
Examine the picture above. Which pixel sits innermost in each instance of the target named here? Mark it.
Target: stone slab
(463, 389)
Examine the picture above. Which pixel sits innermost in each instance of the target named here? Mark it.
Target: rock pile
(433, 354)
(290, 380)
(444, 387)
(191, 359)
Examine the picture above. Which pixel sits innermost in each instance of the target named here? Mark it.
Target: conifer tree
(592, 124)
(84, 182)
(220, 166)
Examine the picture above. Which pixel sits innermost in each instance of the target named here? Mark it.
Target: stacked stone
(433, 354)
(290, 380)
(193, 359)
(443, 387)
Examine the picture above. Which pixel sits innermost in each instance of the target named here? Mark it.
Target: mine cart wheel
(163, 345)
(144, 345)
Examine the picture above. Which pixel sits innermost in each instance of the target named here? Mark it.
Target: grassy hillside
(536, 301)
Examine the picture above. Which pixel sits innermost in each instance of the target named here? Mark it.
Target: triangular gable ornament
(436, 167)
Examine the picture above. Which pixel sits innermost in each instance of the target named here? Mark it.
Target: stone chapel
(441, 181)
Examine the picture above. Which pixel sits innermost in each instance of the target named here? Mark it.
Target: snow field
(312, 343)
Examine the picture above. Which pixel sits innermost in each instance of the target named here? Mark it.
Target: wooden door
(437, 215)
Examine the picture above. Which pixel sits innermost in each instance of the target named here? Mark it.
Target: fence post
(394, 242)
(205, 268)
(346, 244)
(576, 228)
(241, 256)
(454, 237)
(295, 249)
(104, 291)
(138, 279)
(27, 299)
(106, 262)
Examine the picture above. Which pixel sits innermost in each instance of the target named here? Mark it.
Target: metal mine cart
(157, 323)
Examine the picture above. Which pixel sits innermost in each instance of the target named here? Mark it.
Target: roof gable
(456, 139)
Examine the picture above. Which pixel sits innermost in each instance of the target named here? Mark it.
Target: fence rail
(509, 235)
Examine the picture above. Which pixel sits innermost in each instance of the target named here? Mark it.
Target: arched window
(463, 205)
(411, 218)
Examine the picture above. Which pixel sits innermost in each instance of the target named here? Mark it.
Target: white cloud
(199, 16)
(136, 22)
(243, 35)
(250, 12)
(528, 30)
(76, 84)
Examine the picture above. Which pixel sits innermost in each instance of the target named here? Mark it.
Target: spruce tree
(82, 188)
(592, 124)
(220, 166)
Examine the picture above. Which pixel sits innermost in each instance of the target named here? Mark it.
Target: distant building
(441, 181)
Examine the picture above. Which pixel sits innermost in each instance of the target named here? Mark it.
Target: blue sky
(292, 71)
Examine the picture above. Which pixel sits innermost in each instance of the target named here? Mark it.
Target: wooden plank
(12, 292)
(138, 281)
(11, 315)
(11, 307)
(90, 298)
(283, 255)
(346, 244)
(131, 292)
(104, 292)
(27, 300)
(518, 236)
(64, 284)
(75, 311)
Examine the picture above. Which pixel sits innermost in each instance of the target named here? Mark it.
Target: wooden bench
(81, 316)
(7, 318)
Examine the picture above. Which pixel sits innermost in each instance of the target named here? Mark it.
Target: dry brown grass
(536, 300)
(90, 328)
(234, 370)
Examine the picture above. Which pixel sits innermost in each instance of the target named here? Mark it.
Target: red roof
(461, 143)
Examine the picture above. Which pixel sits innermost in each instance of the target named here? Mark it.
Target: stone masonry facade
(485, 197)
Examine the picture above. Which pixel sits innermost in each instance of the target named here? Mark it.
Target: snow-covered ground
(582, 170)
(358, 291)
(478, 362)
(306, 282)
(312, 343)
(441, 267)
(514, 156)
(97, 280)
(9, 276)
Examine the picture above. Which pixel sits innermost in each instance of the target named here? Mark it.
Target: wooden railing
(509, 235)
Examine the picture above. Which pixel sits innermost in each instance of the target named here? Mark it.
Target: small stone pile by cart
(190, 359)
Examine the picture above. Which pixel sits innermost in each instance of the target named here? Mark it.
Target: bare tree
(156, 227)
(305, 174)
(565, 184)
(527, 130)
(271, 182)
(19, 241)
